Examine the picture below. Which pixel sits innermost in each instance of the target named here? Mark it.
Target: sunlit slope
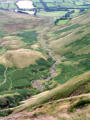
(62, 36)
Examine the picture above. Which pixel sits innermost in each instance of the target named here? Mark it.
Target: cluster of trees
(65, 17)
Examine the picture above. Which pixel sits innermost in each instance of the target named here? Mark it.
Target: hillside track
(5, 77)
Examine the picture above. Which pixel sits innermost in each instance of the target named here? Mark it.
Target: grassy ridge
(59, 92)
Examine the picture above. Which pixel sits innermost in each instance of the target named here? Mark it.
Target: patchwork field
(51, 4)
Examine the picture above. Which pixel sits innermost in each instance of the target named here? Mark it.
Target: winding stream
(53, 66)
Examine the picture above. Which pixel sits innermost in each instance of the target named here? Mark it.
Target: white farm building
(25, 4)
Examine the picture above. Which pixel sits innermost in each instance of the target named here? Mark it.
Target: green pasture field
(51, 14)
(8, 5)
(62, 22)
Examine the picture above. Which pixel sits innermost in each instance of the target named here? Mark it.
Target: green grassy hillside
(68, 45)
(22, 59)
(71, 43)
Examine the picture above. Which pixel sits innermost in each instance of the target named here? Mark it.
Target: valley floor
(53, 80)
